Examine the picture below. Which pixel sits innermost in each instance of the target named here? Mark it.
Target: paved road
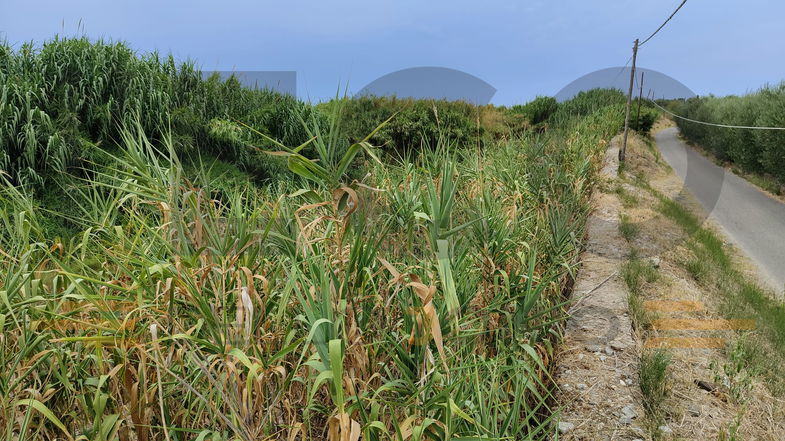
(754, 220)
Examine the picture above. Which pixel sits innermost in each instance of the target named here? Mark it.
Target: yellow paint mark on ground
(673, 305)
(702, 325)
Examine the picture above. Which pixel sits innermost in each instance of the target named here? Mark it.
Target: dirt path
(709, 390)
(598, 360)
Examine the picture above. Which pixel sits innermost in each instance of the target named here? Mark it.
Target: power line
(713, 124)
(663, 24)
(621, 70)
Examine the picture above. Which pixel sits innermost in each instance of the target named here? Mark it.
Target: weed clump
(654, 379)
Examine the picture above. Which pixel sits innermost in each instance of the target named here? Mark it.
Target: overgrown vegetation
(643, 122)
(62, 104)
(756, 151)
(420, 124)
(586, 103)
(355, 295)
(537, 111)
(736, 374)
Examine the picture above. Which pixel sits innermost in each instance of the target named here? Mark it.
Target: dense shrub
(62, 100)
(538, 110)
(63, 104)
(588, 102)
(761, 151)
(645, 121)
(415, 123)
(772, 143)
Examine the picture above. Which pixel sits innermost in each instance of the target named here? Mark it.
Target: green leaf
(448, 282)
(346, 160)
(336, 365)
(39, 406)
(457, 410)
(421, 215)
(240, 355)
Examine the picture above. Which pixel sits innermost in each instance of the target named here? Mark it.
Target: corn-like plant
(347, 299)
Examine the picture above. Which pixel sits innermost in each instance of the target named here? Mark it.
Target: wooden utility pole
(640, 98)
(623, 150)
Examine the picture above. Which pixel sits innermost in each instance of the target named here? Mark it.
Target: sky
(521, 48)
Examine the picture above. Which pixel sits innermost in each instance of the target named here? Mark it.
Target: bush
(758, 151)
(643, 123)
(771, 113)
(588, 102)
(61, 101)
(416, 123)
(538, 110)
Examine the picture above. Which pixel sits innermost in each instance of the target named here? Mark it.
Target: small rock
(581, 356)
(694, 410)
(593, 348)
(705, 385)
(618, 345)
(629, 411)
(581, 386)
(665, 429)
(565, 427)
(602, 357)
(625, 420)
(623, 383)
(609, 351)
(655, 261)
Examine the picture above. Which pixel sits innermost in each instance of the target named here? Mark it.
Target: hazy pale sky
(523, 48)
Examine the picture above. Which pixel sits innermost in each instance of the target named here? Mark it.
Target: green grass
(628, 200)
(637, 272)
(628, 229)
(641, 318)
(653, 379)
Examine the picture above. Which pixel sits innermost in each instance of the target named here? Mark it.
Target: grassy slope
(428, 306)
(713, 267)
(397, 299)
(739, 370)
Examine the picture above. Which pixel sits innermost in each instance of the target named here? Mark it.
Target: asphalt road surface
(754, 220)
